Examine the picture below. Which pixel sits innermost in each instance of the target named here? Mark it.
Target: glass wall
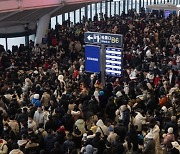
(15, 41)
(108, 7)
(3, 42)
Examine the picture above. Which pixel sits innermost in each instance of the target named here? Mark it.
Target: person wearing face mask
(7, 132)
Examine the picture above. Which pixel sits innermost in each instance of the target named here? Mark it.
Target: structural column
(42, 29)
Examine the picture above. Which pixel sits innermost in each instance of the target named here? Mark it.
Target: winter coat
(14, 126)
(89, 149)
(36, 102)
(156, 131)
(80, 123)
(16, 151)
(45, 99)
(49, 142)
(150, 147)
(126, 117)
(32, 125)
(112, 137)
(168, 139)
(3, 147)
(38, 117)
(68, 122)
(32, 148)
(104, 128)
(138, 121)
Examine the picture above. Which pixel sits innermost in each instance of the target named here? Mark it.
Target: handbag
(104, 136)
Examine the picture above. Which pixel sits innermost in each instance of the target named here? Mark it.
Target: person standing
(39, 116)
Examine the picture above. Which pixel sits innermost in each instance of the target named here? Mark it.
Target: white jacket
(104, 128)
(139, 120)
(38, 117)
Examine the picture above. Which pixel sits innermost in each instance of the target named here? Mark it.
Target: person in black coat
(60, 135)
(173, 124)
(51, 124)
(98, 143)
(77, 137)
(133, 137)
(68, 122)
(49, 141)
(57, 149)
(111, 108)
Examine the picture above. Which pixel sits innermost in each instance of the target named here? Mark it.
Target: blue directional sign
(113, 61)
(103, 38)
(92, 58)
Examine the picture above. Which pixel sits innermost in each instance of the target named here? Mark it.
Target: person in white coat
(39, 116)
(139, 120)
(102, 128)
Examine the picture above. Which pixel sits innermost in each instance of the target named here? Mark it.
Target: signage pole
(102, 64)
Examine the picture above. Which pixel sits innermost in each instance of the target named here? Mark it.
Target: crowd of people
(49, 104)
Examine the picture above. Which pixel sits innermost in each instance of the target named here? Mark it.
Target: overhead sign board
(113, 61)
(92, 58)
(103, 38)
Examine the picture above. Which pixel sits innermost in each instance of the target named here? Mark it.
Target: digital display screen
(113, 61)
(167, 13)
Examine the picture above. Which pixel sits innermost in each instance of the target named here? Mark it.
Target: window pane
(60, 19)
(3, 42)
(53, 22)
(32, 37)
(72, 17)
(93, 10)
(15, 41)
(82, 12)
(77, 16)
(66, 16)
(112, 9)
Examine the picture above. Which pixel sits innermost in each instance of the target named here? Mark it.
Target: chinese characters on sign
(103, 38)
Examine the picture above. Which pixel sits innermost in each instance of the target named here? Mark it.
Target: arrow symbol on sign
(89, 37)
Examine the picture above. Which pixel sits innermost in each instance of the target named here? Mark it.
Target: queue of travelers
(49, 104)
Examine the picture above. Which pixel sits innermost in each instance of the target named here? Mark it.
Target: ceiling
(13, 21)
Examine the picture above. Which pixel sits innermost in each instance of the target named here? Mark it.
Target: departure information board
(113, 61)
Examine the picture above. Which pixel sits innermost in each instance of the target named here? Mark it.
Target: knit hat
(61, 129)
(89, 148)
(36, 96)
(176, 145)
(170, 130)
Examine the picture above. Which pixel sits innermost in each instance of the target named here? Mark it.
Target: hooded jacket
(16, 151)
(104, 128)
(81, 125)
(138, 121)
(3, 147)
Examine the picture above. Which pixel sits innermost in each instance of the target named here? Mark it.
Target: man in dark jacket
(149, 144)
(173, 124)
(49, 141)
(57, 149)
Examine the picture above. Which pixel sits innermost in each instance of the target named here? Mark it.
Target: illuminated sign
(92, 58)
(113, 61)
(103, 38)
